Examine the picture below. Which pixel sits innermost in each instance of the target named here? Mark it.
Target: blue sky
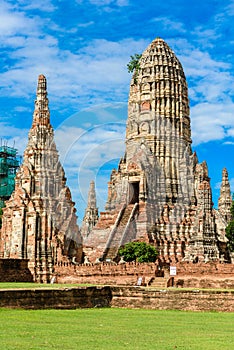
(83, 48)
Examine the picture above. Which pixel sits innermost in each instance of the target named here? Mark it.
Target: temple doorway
(134, 192)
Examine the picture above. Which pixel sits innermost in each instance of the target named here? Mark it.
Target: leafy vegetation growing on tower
(134, 65)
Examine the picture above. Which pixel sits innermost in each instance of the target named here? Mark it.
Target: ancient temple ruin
(39, 220)
(160, 193)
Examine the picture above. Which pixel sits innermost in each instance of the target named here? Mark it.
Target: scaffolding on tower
(9, 163)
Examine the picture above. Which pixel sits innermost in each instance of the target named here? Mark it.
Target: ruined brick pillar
(91, 213)
(225, 199)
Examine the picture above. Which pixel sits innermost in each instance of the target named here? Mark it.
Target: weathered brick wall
(176, 299)
(65, 298)
(201, 275)
(200, 269)
(15, 270)
(131, 297)
(104, 273)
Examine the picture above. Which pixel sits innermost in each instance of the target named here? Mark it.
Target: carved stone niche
(144, 128)
(145, 87)
(134, 128)
(146, 106)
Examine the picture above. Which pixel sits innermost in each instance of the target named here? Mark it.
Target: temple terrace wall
(63, 298)
(189, 275)
(172, 299)
(15, 270)
(131, 297)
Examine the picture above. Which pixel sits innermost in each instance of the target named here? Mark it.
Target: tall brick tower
(159, 193)
(39, 220)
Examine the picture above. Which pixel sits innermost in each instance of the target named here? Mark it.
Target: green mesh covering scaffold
(8, 167)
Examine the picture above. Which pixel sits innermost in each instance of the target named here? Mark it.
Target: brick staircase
(106, 220)
(112, 250)
(126, 214)
(158, 282)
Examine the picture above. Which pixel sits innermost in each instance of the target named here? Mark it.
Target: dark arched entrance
(134, 190)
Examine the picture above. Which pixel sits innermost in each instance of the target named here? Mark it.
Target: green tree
(230, 229)
(138, 251)
(134, 65)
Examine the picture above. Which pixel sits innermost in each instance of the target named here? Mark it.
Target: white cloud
(88, 148)
(211, 92)
(80, 75)
(109, 2)
(22, 109)
(230, 132)
(15, 137)
(212, 122)
(13, 21)
(77, 74)
(85, 152)
(169, 24)
(85, 25)
(101, 2)
(45, 5)
(122, 2)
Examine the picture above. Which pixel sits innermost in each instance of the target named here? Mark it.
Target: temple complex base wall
(189, 275)
(196, 300)
(65, 298)
(130, 297)
(15, 270)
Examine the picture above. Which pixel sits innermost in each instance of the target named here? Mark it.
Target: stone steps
(115, 243)
(106, 220)
(125, 217)
(158, 282)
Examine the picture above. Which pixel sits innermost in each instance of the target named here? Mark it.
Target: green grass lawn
(111, 329)
(32, 285)
(16, 285)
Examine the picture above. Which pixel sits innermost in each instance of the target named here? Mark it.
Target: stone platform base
(15, 270)
(123, 297)
(173, 299)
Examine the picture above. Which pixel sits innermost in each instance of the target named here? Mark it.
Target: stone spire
(225, 199)
(92, 203)
(159, 193)
(91, 213)
(158, 125)
(41, 113)
(39, 221)
(203, 243)
(158, 95)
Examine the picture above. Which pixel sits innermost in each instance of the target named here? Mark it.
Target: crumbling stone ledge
(124, 297)
(58, 298)
(173, 299)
